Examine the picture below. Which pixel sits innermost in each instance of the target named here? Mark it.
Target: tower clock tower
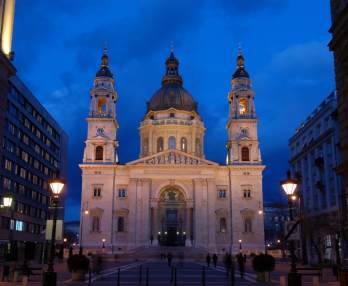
(101, 143)
(243, 144)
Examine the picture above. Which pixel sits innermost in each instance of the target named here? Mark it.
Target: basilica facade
(172, 195)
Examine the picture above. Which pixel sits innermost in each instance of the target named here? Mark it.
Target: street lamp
(289, 186)
(240, 244)
(50, 277)
(103, 241)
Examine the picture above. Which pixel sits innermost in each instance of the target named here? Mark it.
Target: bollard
(140, 274)
(89, 277)
(203, 276)
(147, 276)
(118, 277)
(175, 281)
(282, 281)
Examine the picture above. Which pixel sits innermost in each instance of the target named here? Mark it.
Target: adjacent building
(339, 45)
(172, 195)
(315, 155)
(33, 149)
(276, 216)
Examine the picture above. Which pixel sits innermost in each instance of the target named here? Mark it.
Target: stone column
(155, 227)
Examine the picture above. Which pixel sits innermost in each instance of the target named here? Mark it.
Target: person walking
(208, 259)
(169, 258)
(241, 264)
(232, 268)
(6, 272)
(227, 262)
(215, 258)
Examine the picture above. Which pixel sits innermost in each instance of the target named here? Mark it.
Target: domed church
(172, 195)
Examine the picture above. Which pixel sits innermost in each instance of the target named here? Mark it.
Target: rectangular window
(122, 193)
(97, 189)
(11, 128)
(222, 194)
(25, 139)
(247, 194)
(27, 123)
(25, 156)
(7, 183)
(8, 165)
(23, 173)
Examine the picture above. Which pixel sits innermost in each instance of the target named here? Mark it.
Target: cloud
(304, 64)
(245, 7)
(152, 26)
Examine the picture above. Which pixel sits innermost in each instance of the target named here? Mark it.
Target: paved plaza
(159, 273)
(188, 273)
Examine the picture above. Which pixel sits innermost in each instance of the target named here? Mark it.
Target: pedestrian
(241, 264)
(215, 258)
(232, 268)
(169, 258)
(6, 272)
(208, 259)
(227, 262)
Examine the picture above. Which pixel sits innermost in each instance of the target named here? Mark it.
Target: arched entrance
(172, 217)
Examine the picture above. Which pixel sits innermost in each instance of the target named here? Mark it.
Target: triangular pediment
(171, 157)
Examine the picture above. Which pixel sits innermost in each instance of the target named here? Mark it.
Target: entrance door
(172, 238)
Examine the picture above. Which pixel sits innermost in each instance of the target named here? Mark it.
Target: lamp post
(7, 203)
(289, 186)
(240, 244)
(50, 277)
(85, 212)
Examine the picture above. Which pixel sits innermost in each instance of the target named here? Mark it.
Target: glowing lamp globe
(289, 186)
(57, 186)
(7, 201)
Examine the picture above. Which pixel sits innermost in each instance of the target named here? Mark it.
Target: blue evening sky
(58, 45)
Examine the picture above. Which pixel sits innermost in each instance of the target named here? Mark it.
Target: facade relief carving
(172, 158)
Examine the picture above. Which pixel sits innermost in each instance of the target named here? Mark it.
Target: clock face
(100, 131)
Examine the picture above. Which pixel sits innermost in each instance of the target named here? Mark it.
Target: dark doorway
(172, 237)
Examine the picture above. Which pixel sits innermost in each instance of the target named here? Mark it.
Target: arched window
(222, 224)
(198, 147)
(159, 144)
(120, 224)
(248, 225)
(183, 144)
(245, 154)
(102, 105)
(172, 142)
(95, 224)
(145, 146)
(243, 106)
(99, 150)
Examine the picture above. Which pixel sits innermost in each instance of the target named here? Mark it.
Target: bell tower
(101, 143)
(242, 145)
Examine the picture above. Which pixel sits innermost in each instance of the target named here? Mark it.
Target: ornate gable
(171, 157)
